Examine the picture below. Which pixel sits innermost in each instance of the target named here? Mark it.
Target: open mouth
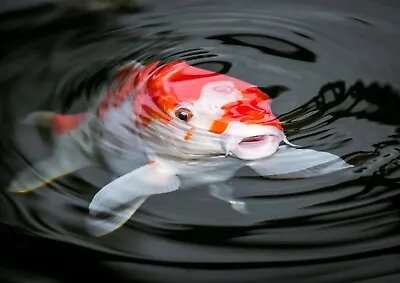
(257, 140)
(253, 139)
(250, 143)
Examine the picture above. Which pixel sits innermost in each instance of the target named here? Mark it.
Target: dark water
(332, 68)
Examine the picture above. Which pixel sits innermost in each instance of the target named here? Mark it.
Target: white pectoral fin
(289, 163)
(116, 202)
(225, 192)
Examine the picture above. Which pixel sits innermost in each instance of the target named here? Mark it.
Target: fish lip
(254, 139)
(261, 137)
(256, 147)
(258, 142)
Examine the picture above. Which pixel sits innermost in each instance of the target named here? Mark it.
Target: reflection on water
(332, 72)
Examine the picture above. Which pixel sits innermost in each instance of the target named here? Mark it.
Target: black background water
(332, 65)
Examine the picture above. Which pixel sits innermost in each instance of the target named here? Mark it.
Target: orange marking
(254, 108)
(189, 134)
(62, 124)
(144, 106)
(218, 127)
(126, 78)
(151, 162)
(156, 114)
(145, 120)
(124, 72)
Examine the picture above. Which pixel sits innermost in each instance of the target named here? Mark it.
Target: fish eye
(183, 114)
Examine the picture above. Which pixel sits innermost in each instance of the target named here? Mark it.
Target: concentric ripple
(331, 69)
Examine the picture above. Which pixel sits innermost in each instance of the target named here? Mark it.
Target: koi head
(215, 113)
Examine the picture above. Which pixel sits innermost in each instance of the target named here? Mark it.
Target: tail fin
(40, 118)
(67, 158)
(46, 171)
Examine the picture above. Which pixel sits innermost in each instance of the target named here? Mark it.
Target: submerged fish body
(165, 127)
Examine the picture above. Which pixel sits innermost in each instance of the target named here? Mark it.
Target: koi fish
(167, 127)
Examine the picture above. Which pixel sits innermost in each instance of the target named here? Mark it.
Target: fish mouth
(258, 141)
(257, 146)
(254, 139)
(251, 147)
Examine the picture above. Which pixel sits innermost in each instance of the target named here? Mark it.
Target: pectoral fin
(289, 163)
(116, 202)
(225, 192)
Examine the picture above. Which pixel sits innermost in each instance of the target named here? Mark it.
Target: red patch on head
(254, 108)
(178, 82)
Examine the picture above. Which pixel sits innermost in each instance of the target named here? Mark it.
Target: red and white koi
(166, 127)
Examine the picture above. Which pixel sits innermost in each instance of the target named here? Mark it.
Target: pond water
(332, 70)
